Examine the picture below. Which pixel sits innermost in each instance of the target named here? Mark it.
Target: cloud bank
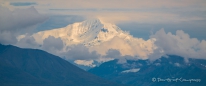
(180, 44)
(79, 52)
(134, 47)
(159, 44)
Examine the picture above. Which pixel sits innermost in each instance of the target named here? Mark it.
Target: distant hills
(146, 73)
(32, 67)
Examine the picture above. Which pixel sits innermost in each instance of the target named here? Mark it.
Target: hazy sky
(137, 16)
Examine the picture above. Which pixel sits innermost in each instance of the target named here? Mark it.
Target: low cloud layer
(79, 52)
(133, 47)
(159, 44)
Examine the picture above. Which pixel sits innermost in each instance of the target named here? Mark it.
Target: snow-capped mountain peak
(89, 32)
(96, 35)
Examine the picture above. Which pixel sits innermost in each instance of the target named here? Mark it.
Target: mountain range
(155, 73)
(33, 67)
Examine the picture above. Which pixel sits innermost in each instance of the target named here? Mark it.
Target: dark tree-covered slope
(32, 67)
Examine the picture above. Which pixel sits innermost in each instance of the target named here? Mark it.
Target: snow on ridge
(131, 70)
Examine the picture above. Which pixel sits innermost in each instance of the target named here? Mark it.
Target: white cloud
(79, 52)
(85, 62)
(160, 44)
(133, 47)
(180, 44)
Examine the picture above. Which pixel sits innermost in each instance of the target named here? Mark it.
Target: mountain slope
(141, 72)
(35, 67)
